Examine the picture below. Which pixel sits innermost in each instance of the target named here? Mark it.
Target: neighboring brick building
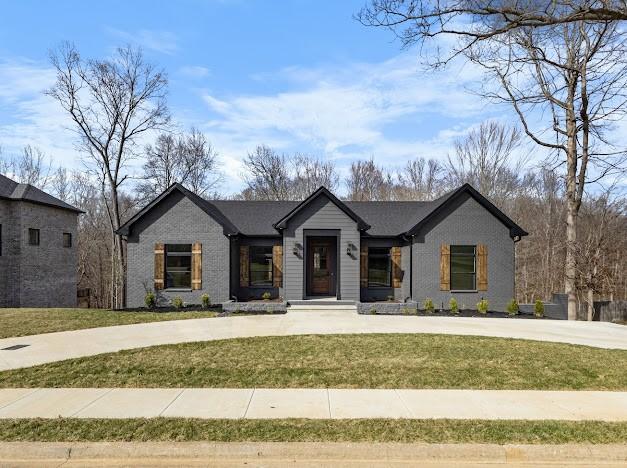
(38, 248)
(459, 245)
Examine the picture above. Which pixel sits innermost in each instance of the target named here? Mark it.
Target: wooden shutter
(482, 267)
(445, 267)
(244, 277)
(277, 266)
(159, 266)
(196, 266)
(363, 266)
(397, 273)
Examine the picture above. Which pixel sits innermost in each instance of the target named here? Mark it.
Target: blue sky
(301, 76)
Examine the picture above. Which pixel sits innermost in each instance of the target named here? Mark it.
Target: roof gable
(227, 227)
(514, 229)
(322, 192)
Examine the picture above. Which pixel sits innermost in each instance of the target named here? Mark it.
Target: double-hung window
(379, 267)
(261, 266)
(463, 267)
(178, 266)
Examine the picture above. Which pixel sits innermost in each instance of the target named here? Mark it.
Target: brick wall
(43, 275)
(177, 220)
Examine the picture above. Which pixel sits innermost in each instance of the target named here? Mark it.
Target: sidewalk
(220, 403)
(58, 346)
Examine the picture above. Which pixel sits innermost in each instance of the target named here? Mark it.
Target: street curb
(337, 452)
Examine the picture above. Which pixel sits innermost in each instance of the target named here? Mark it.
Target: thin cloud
(164, 42)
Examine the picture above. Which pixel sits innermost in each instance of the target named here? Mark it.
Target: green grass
(342, 361)
(309, 430)
(22, 322)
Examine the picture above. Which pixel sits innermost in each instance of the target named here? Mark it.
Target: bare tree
(267, 176)
(188, 159)
(369, 182)
(602, 232)
(419, 180)
(200, 173)
(575, 75)
(113, 104)
(474, 21)
(31, 166)
(310, 173)
(486, 159)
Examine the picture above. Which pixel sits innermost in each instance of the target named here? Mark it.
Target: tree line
(487, 157)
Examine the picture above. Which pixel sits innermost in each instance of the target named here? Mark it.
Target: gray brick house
(460, 244)
(38, 251)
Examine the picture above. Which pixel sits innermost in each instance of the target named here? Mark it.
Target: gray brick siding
(43, 275)
(177, 220)
(467, 223)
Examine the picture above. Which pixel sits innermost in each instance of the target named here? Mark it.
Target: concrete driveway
(52, 347)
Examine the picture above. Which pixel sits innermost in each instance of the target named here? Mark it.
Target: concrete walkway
(220, 403)
(306, 454)
(52, 347)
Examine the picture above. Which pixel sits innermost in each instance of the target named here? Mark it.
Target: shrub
(266, 296)
(390, 298)
(538, 308)
(512, 307)
(205, 300)
(428, 305)
(177, 302)
(482, 306)
(453, 306)
(150, 300)
(373, 311)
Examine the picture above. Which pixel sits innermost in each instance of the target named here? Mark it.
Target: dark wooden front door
(321, 266)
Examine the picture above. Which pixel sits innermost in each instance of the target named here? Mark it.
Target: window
(33, 236)
(261, 266)
(67, 240)
(178, 266)
(463, 271)
(379, 267)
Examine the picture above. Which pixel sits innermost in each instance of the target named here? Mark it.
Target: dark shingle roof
(385, 218)
(12, 190)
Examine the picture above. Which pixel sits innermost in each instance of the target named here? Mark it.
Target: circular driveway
(59, 346)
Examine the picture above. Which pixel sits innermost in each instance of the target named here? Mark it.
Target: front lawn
(311, 430)
(342, 361)
(21, 322)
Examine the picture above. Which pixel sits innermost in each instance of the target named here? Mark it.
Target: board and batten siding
(465, 223)
(321, 214)
(177, 220)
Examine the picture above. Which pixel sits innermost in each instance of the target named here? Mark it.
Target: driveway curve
(51, 347)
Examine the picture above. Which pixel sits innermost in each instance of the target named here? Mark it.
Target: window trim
(38, 233)
(474, 269)
(69, 236)
(390, 267)
(250, 266)
(165, 267)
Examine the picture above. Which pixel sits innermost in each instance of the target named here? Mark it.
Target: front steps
(322, 306)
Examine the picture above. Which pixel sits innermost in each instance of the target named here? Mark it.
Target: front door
(321, 266)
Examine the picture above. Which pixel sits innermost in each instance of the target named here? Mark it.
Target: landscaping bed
(342, 361)
(412, 308)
